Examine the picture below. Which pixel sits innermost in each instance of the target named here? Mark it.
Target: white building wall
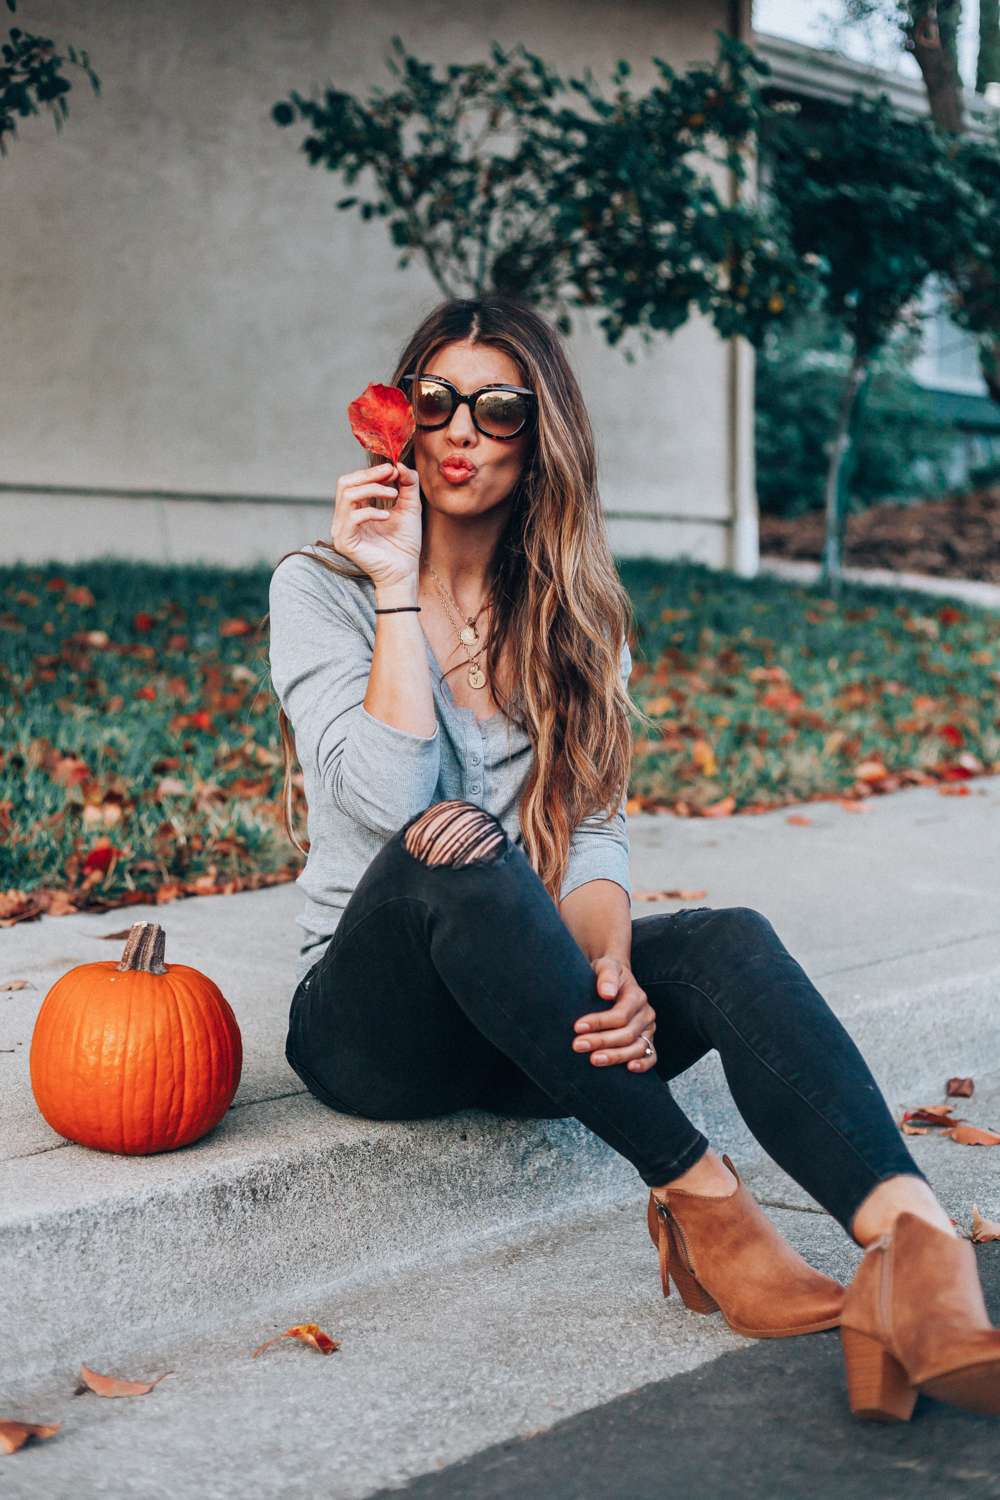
(185, 313)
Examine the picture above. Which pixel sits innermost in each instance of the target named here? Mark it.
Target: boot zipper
(664, 1213)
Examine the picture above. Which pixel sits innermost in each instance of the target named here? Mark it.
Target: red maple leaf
(382, 420)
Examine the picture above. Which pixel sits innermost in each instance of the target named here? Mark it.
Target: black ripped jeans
(445, 988)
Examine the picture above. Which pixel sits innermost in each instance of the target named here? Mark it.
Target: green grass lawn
(760, 693)
(139, 752)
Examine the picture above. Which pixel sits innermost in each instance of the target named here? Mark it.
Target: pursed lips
(457, 469)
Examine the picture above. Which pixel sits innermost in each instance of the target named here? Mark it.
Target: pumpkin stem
(144, 949)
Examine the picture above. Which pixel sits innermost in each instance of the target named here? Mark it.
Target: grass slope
(139, 751)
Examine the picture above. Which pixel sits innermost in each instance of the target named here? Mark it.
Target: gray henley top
(363, 780)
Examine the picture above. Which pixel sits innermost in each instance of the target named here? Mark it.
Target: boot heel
(693, 1294)
(877, 1386)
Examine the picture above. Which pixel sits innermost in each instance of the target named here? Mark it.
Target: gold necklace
(477, 677)
(470, 635)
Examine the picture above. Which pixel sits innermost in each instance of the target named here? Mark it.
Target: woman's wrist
(398, 595)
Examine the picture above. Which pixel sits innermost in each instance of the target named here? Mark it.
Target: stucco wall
(183, 309)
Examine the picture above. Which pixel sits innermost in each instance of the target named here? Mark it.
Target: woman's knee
(455, 833)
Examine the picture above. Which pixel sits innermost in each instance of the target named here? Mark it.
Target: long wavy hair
(558, 613)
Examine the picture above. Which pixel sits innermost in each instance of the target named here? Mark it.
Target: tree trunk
(932, 35)
(988, 66)
(843, 450)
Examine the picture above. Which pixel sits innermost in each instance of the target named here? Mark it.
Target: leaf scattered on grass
(723, 809)
(20, 906)
(971, 1135)
(109, 1385)
(959, 1088)
(983, 1230)
(14, 1435)
(308, 1333)
(15, 984)
(669, 895)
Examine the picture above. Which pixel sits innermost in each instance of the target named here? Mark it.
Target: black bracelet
(400, 609)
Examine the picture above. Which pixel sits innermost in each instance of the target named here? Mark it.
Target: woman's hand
(617, 1035)
(385, 543)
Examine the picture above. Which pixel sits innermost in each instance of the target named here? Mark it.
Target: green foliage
(31, 75)
(988, 64)
(506, 186)
(880, 202)
(769, 694)
(975, 274)
(903, 448)
(139, 751)
(138, 742)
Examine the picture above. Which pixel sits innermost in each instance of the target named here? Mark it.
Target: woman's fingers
(370, 514)
(609, 1057)
(624, 1036)
(630, 1001)
(358, 494)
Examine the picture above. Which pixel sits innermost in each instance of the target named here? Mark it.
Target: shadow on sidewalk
(761, 1423)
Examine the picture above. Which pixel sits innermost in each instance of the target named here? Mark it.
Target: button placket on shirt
(475, 761)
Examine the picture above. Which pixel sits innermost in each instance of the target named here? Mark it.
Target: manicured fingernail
(600, 1057)
(582, 1026)
(580, 1045)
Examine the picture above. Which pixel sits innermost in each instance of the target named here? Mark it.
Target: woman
(454, 671)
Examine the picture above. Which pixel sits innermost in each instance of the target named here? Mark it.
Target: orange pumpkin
(135, 1057)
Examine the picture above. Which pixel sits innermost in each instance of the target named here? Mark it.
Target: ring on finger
(649, 1046)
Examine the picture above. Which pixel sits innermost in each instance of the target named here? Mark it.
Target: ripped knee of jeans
(456, 834)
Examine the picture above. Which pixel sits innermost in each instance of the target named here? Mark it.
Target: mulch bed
(954, 538)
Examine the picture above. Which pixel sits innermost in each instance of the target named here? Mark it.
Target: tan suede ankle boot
(915, 1320)
(725, 1254)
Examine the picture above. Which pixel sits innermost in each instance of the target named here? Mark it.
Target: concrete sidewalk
(486, 1277)
(972, 590)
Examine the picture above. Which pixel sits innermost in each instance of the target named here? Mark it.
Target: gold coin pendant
(477, 677)
(470, 635)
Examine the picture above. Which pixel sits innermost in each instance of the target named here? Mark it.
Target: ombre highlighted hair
(558, 614)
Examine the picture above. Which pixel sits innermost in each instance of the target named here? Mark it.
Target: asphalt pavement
(759, 1423)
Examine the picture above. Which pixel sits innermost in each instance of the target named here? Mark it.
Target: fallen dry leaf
(382, 420)
(669, 895)
(858, 807)
(60, 904)
(723, 809)
(108, 1385)
(913, 1129)
(959, 1088)
(983, 1230)
(14, 1435)
(954, 791)
(799, 820)
(15, 984)
(970, 1135)
(113, 937)
(932, 1114)
(309, 1333)
(18, 906)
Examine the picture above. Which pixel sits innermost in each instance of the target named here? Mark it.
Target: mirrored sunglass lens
(433, 403)
(501, 412)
